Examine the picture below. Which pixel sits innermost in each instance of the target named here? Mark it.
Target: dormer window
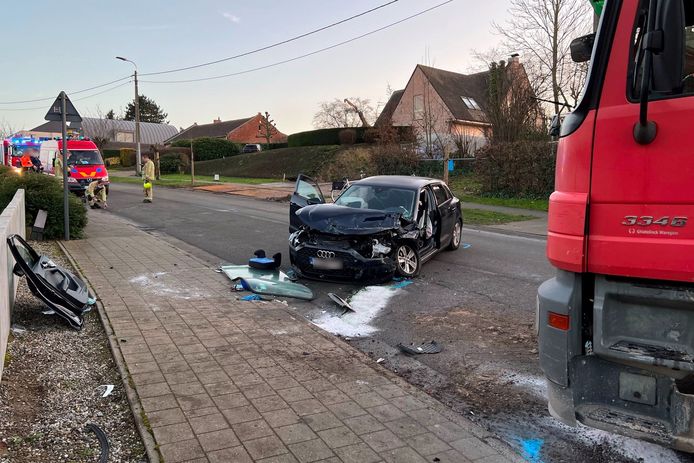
(470, 103)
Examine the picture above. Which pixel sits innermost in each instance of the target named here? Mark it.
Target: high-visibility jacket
(58, 167)
(148, 171)
(26, 161)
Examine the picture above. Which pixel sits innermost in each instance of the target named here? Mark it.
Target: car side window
(307, 190)
(440, 193)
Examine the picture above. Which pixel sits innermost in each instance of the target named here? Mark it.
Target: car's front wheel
(456, 236)
(407, 261)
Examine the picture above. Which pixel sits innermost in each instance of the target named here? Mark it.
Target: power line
(76, 99)
(276, 44)
(300, 56)
(71, 93)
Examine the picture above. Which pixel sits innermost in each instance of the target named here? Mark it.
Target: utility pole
(66, 190)
(192, 163)
(138, 154)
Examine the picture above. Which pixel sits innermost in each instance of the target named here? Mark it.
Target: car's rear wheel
(456, 236)
(407, 261)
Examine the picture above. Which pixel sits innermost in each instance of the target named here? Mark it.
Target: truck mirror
(555, 126)
(668, 63)
(582, 48)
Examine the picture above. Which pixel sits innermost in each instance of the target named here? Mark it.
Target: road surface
(477, 302)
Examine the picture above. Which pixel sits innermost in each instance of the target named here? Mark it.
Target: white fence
(12, 221)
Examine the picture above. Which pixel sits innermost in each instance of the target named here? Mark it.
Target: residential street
(478, 302)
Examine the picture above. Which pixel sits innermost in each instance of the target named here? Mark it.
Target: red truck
(616, 323)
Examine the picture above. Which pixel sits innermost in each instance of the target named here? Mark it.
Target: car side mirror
(17, 270)
(582, 48)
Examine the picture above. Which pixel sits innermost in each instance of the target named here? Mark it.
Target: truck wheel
(407, 261)
(457, 233)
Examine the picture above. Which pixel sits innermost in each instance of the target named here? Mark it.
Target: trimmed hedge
(517, 169)
(43, 192)
(324, 136)
(206, 149)
(110, 153)
(170, 163)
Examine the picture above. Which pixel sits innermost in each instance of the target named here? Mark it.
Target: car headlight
(105, 179)
(72, 180)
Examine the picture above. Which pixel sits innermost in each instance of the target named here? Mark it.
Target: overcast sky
(43, 57)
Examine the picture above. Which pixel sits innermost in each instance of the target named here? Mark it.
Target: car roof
(403, 181)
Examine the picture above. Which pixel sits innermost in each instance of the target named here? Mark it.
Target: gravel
(51, 388)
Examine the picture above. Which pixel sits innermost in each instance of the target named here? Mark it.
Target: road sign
(55, 112)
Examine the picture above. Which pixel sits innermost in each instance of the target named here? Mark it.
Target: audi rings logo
(325, 254)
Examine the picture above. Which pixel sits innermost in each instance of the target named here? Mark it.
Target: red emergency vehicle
(14, 147)
(84, 162)
(616, 324)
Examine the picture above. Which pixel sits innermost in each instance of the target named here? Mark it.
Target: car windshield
(387, 199)
(84, 157)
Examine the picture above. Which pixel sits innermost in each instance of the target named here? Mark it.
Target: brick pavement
(221, 380)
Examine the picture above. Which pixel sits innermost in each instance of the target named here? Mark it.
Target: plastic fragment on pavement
(399, 284)
(427, 348)
(380, 360)
(108, 391)
(340, 302)
(252, 297)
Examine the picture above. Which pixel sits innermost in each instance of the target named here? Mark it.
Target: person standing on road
(148, 177)
(58, 167)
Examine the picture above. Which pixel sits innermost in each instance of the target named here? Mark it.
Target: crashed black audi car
(378, 227)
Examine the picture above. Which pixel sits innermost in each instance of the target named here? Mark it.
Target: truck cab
(616, 323)
(84, 162)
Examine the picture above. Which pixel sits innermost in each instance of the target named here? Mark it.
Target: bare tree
(360, 113)
(464, 140)
(102, 128)
(541, 31)
(428, 119)
(6, 129)
(266, 129)
(337, 113)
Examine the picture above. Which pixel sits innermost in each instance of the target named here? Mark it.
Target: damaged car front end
(352, 240)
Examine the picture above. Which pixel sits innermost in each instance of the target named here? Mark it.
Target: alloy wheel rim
(456, 234)
(407, 259)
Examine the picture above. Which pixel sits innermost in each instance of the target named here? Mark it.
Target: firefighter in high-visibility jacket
(148, 178)
(96, 194)
(26, 162)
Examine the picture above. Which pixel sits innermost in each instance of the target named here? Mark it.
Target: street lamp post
(138, 156)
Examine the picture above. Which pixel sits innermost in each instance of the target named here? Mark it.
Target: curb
(130, 392)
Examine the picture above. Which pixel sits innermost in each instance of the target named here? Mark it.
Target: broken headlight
(379, 249)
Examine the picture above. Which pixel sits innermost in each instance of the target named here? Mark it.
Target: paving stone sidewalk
(222, 380)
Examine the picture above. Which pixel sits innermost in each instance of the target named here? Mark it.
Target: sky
(44, 55)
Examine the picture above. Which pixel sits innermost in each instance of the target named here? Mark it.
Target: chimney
(217, 121)
(514, 59)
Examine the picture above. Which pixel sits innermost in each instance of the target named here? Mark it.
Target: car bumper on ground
(340, 265)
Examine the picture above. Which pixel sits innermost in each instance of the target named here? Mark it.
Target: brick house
(238, 130)
(445, 108)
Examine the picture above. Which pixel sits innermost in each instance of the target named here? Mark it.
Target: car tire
(456, 236)
(407, 262)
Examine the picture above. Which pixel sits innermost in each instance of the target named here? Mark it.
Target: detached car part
(57, 287)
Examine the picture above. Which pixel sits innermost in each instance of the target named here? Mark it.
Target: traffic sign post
(63, 110)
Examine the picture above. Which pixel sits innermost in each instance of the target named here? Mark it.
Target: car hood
(343, 220)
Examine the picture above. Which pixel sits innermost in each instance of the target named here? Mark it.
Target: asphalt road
(478, 302)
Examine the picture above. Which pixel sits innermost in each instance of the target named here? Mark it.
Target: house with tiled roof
(445, 105)
(238, 130)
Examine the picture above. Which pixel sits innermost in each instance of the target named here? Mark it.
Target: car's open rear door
(306, 192)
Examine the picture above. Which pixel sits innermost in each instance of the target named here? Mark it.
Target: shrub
(127, 157)
(323, 137)
(374, 160)
(110, 153)
(394, 160)
(170, 163)
(276, 146)
(43, 192)
(206, 149)
(517, 169)
(347, 136)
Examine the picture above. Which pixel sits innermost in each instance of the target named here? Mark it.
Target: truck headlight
(72, 180)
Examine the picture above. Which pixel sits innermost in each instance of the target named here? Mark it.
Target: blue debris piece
(466, 245)
(532, 449)
(401, 283)
(91, 301)
(252, 297)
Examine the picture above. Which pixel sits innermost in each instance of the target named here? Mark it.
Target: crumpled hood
(343, 220)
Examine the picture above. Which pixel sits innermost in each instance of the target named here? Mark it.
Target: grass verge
(467, 189)
(183, 180)
(482, 217)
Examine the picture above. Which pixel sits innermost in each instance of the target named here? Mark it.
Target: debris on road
(427, 348)
(265, 282)
(261, 262)
(108, 391)
(341, 302)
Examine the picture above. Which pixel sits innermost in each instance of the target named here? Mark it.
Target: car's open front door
(306, 193)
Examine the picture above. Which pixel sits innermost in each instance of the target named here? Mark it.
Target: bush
(374, 160)
(347, 136)
(394, 160)
(127, 157)
(170, 163)
(110, 153)
(323, 137)
(517, 169)
(276, 146)
(206, 149)
(43, 192)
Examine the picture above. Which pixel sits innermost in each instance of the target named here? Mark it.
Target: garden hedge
(206, 149)
(43, 192)
(324, 136)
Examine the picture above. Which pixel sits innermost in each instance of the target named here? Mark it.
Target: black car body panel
(56, 286)
(349, 243)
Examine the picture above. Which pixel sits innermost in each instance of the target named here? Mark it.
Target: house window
(470, 103)
(418, 105)
(125, 137)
